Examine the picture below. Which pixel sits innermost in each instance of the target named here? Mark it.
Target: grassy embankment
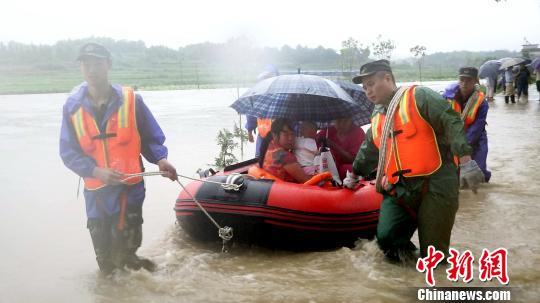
(29, 81)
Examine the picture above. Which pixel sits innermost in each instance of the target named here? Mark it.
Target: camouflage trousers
(115, 245)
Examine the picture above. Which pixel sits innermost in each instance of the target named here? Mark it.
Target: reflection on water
(49, 254)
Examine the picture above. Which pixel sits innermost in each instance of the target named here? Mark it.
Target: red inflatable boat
(278, 214)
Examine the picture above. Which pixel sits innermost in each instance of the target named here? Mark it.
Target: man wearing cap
(413, 136)
(105, 130)
(469, 102)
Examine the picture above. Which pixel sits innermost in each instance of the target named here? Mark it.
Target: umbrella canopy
(535, 64)
(359, 96)
(298, 98)
(490, 69)
(511, 62)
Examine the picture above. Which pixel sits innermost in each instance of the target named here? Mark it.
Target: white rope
(226, 232)
(226, 186)
(470, 103)
(387, 133)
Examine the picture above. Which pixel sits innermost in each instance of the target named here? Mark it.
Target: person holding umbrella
(344, 139)
(537, 72)
(535, 64)
(469, 102)
(522, 81)
(260, 125)
(490, 70)
(413, 136)
(509, 78)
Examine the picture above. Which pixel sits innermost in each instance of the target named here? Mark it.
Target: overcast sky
(439, 25)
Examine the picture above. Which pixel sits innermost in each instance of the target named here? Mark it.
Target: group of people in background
(515, 81)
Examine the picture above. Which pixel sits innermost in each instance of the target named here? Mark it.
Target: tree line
(239, 50)
(25, 67)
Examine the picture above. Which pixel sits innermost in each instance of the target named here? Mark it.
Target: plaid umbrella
(297, 97)
(359, 96)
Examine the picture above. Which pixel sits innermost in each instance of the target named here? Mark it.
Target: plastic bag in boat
(326, 163)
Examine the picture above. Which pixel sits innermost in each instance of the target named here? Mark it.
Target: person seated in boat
(278, 153)
(344, 140)
(305, 148)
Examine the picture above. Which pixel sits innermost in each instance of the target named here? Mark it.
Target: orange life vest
(264, 126)
(119, 148)
(471, 116)
(412, 148)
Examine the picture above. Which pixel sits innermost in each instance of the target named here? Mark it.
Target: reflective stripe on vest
(471, 115)
(264, 126)
(412, 148)
(119, 148)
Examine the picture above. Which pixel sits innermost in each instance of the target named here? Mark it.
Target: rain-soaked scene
(219, 152)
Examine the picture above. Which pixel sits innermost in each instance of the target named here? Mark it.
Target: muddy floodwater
(46, 254)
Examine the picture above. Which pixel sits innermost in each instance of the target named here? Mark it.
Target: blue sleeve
(70, 150)
(251, 123)
(479, 125)
(152, 137)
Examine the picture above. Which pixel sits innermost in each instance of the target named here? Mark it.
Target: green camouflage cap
(371, 68)
(93, 49)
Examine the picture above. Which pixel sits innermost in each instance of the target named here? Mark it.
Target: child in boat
(306, 149)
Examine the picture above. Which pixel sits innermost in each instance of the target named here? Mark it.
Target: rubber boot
(513, 98)
(101, 239)
(132, 261)
(506, 99)
(407, 254)
(127, 241)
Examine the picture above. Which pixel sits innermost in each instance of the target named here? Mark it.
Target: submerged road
(47, 254)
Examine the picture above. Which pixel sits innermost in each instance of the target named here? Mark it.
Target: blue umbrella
(490, 69)
(297, 97)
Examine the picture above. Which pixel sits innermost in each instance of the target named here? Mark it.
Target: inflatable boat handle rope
(226, 232)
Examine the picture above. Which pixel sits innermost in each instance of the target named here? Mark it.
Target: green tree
(419, 52)
(382, 49)
(225, 140)
(363, 53)
(349, 54)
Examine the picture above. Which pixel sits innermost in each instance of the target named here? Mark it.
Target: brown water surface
(47, 255)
